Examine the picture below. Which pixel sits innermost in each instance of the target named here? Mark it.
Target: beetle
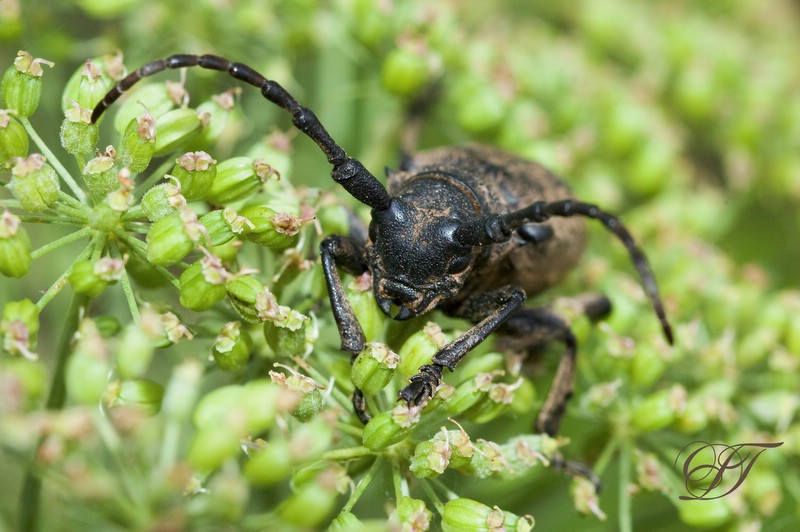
(470, 230)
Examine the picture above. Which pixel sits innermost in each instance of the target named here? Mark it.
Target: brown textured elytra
(500, 182)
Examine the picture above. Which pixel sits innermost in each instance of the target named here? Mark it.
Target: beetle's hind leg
(531, 328)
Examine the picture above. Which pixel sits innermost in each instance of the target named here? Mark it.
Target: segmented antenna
(347, 171)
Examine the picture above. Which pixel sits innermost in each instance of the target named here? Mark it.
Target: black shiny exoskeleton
(469, 230)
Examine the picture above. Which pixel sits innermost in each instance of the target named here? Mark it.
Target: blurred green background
(681, 115)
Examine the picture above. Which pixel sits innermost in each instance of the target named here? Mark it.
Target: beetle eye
(458, 264)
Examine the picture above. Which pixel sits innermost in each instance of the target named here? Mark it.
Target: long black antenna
(499, 228)
(347, 171)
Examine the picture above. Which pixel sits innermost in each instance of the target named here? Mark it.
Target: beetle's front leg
(490, 310)
(341, 251)
(336, 250)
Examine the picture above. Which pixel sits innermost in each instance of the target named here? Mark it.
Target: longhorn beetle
(468, 230)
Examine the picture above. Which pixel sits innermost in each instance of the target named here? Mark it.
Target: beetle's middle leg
(489, 310)
(530, 328)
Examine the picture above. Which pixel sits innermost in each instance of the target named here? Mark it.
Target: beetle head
(415, 259)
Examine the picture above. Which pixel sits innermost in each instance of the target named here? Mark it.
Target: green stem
(66, 198)
(62, 172)
(606, 455)
(400, 486)
(363, 484)
(50, 219)
(63, 241)
(134, 213)
(127, 289)
(32, 484)
(625, 515)
(71, 211)
(348, 453)
(61, 282)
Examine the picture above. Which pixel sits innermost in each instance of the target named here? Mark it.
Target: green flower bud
(144, 394)
(138, 143)
(419, 349)
(211, 447)
(84, 280)
(260, 402)
(287, 339)
(390, 427)
(228, 251)
(21, 87)
(195, 172)
(203, 284)
(170, 330)
(173, 237)
(309, 505)
(310, 398)
(182, 390)
(101, 176)
(215, 408)
(78, 135)
(154, 98)
(309, 441)
(466, 514)
(177, 128)
(238, 178)
(89, 366)
(406, 71)
(471, 392)
(309, 406)
(487, 460)
(20, 327)
(162, 200)
(15, 246)
(430, 458)
(362, 300)
(242, 292)
(28, 379)
(647, 366)
(34, 183)
(270, 464)
(275, 230)
(223, 225)
(374, 368)
(706, 513)
(14, 141)
(497, 401)
(231, 349)
(88, 84)
(659, 409)
(136, 346)
(413, 513)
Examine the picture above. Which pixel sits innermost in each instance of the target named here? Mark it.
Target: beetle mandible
(469, 230)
